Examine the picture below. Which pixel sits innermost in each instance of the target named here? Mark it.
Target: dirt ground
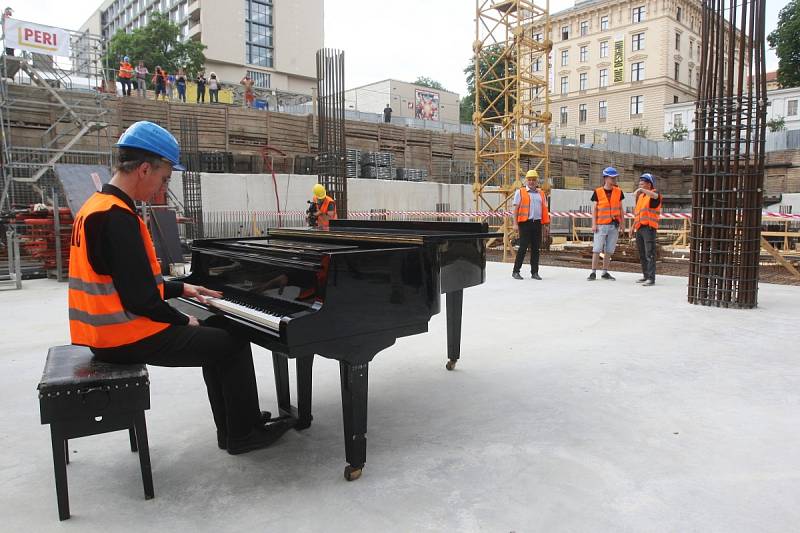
(768, 273)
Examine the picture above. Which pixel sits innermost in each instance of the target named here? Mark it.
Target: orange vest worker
(608, 211)
(644, 215)
(326, 204)
(125, 70)
(525, 205)
(96, 315)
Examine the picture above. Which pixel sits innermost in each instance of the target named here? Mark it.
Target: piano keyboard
(260, 316)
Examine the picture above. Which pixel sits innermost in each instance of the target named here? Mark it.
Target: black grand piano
(346, 294)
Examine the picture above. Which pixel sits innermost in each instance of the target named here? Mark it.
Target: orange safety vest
(608, 211)
(125, 70)
(644, 215)
(323, 209)
(525, 205)
(96, 316)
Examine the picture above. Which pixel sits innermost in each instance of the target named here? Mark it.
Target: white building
(406, 100)
(783, 103)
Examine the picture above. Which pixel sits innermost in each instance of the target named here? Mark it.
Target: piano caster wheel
(451, 364)
(351, 473)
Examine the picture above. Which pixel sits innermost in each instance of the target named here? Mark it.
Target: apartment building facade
(275, 41)
(616, 64)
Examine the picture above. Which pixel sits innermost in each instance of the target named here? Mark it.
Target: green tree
(776, 124)
(466, 109)
(428, 82)
(489, 60)
(677, 133)
(786, 44)
(158, 43)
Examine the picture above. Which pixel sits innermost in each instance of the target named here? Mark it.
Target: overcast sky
(381, 38)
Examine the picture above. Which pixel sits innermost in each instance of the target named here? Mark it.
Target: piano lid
(390, 231)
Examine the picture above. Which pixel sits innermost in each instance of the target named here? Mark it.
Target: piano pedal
(451, 364)
(351, 473)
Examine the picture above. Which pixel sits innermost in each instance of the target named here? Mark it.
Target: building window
(564, 116)
(637, 105)
(583, 81)
(564, 84)
(675, 99)
(677, 71)
(604, 23)
(602, 111)
(584, 54)
(584, 27)
(603, 77)
(691, 48)
(637, 41)
(677, 120)
(582, 113)
(637, 71)
(537, 65)
(259, 28)
(604, 49)
(261, 79)
(691, 25)
(677, 41)
(537, 37)
(564, 33)
(678, 14)
(791, 108)
(582, 138)
(691, 71)
(564, 58)
(637, 14)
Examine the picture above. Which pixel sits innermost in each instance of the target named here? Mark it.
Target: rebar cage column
(330, 112)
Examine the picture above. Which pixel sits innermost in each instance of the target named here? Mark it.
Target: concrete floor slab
(576, 406)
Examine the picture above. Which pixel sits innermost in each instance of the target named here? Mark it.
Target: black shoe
(641, 280)
(536, 275)
(260, 437)
(516, 275)
(592, 277)
(648, 283)
(608, 276)
(222, 436)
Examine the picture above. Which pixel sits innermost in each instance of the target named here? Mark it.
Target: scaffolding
(512, 102)
(57, 106)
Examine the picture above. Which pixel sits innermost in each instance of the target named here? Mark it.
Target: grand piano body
(346, 294)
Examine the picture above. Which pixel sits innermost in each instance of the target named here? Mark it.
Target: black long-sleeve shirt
(116, 248)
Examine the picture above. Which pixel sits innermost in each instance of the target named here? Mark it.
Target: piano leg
(354, 415)
(454, 301)
(301, 413)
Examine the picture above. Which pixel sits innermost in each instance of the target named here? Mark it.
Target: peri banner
(427, 105)
(36, 38)
(619, 60)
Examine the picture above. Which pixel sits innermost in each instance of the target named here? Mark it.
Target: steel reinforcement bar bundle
(725, 239)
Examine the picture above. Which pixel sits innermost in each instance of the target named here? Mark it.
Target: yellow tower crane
(512, 103)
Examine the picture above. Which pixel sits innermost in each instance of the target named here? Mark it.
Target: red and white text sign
(36, 38)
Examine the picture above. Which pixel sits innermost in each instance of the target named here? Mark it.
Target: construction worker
(531, 217)
(125, 75)
(325, 207)
(645, 224)
(117, 297)
(607, 218)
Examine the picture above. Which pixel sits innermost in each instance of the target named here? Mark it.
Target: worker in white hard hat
(530, 216)
(323, 208)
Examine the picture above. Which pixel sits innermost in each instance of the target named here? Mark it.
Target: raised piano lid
(389, 231)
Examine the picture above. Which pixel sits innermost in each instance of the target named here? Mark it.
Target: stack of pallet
(353, 165)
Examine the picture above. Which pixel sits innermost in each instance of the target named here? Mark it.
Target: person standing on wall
(387, 114)
(645, 224)
(117, 296)
(213, 89)
(125, 74)
(141, 80)
(530, 216)
(201, 88)
(324, 205)
(248, 83)
(607, 218)
(180, 84)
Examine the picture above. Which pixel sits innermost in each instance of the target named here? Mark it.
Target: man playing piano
(117, 296)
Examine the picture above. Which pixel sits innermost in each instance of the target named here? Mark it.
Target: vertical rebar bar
(330, 111)
(192, 192)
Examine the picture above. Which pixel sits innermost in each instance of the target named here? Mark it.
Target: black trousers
(126, 86)
(530, 235)
(646, 244)
(227, 364)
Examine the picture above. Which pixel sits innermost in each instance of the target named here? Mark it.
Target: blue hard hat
(126, 59)
(611, 172)
(151, 137)
(648, 177)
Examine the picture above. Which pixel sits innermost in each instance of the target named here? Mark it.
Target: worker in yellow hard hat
(530, 215)
(322, 208)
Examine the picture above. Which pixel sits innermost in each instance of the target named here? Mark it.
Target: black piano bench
(81, 396)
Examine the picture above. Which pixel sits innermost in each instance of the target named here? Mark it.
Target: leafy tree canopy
(428, 82)
(158, 43)
(490, 69)
(787, 45)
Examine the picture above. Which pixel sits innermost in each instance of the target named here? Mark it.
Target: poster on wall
(619, 60)
(427, 105)
(36, 38)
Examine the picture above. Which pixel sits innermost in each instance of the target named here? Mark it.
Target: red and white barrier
(483, 214)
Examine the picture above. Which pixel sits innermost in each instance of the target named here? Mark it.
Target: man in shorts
(607, 218)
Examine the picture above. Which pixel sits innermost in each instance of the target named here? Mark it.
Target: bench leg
(60, 468)
(144, 454)
(132, 435)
